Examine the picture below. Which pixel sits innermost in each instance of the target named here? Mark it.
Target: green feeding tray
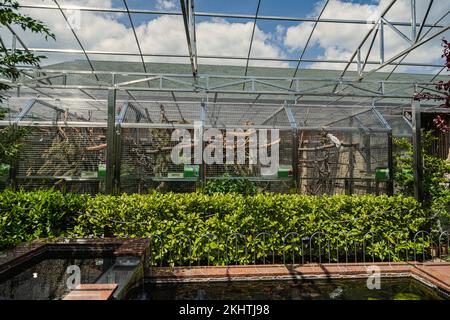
(4, 169)
(382, 173)
(285, 172)
(175, 175)
(89, 174)
(102, 170)
(191, 171)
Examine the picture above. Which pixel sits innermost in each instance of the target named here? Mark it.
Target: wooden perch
(318, 148)
(159, 150)
(97, 147)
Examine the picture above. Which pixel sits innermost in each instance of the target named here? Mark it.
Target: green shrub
(180, 219)
(25, 216)
(435, 179)
(199, 227)
(225, 184)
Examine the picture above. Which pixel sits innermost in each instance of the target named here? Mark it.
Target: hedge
(25, 216)
(198, 227)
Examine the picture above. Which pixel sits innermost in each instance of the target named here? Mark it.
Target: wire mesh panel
(4, 181)
(338, 161)
(336, 116)
(242, 144)
(352, 167)
(68, 157)
(11, 108)
(401, 127)
(146, 162)
(259, 155)
(165, 112)
(41, 112)
(319, 166)
(370, 162)
(239, 115)
(145, 158)
(278, 186)
(341, 149)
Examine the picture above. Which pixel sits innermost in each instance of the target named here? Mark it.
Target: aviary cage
(321, 149)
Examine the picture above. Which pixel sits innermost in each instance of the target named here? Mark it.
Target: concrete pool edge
(134, 247)
(431, 274)
(135, 250)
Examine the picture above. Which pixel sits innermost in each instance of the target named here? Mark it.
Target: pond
(46, 277)
(343, 289)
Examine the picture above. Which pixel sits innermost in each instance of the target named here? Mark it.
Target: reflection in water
(348, 289)
(336, 293)
(201, 295)
(47, 279)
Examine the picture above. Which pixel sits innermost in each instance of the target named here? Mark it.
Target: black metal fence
(235, 249)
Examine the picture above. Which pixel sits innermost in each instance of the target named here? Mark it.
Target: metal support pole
(368, 161)
(13, 49)
(417, 150)
(202, 168)
(295, 146)
(187, 8)
(351, 165)
(14, 167)
(390, 183)
(14, 43)
(117, 158)
(25, 111)
(56, 116)
(358, 62)
(110, 159)
(381, 31)
(295, 168)
(413, 20)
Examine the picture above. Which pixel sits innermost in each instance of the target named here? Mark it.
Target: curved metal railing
(293, 248)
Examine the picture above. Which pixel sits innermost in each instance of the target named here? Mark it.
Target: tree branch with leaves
(440, 121)
(10, 16)
(11, 137)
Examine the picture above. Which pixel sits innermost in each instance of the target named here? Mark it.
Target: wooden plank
(94, 291)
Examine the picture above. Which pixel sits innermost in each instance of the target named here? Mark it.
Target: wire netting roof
(238, 84)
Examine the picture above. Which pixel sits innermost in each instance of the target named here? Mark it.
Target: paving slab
(103, 291)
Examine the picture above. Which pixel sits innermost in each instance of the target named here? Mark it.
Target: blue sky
(158, 34)
(286, 8)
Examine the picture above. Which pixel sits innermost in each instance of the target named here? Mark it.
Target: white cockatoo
(335, 140)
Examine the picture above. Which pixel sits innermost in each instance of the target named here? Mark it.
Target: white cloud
(162, 35)
(165, 35)
(219, 37)
(338, 41)
(165, 4)
(280, 32)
